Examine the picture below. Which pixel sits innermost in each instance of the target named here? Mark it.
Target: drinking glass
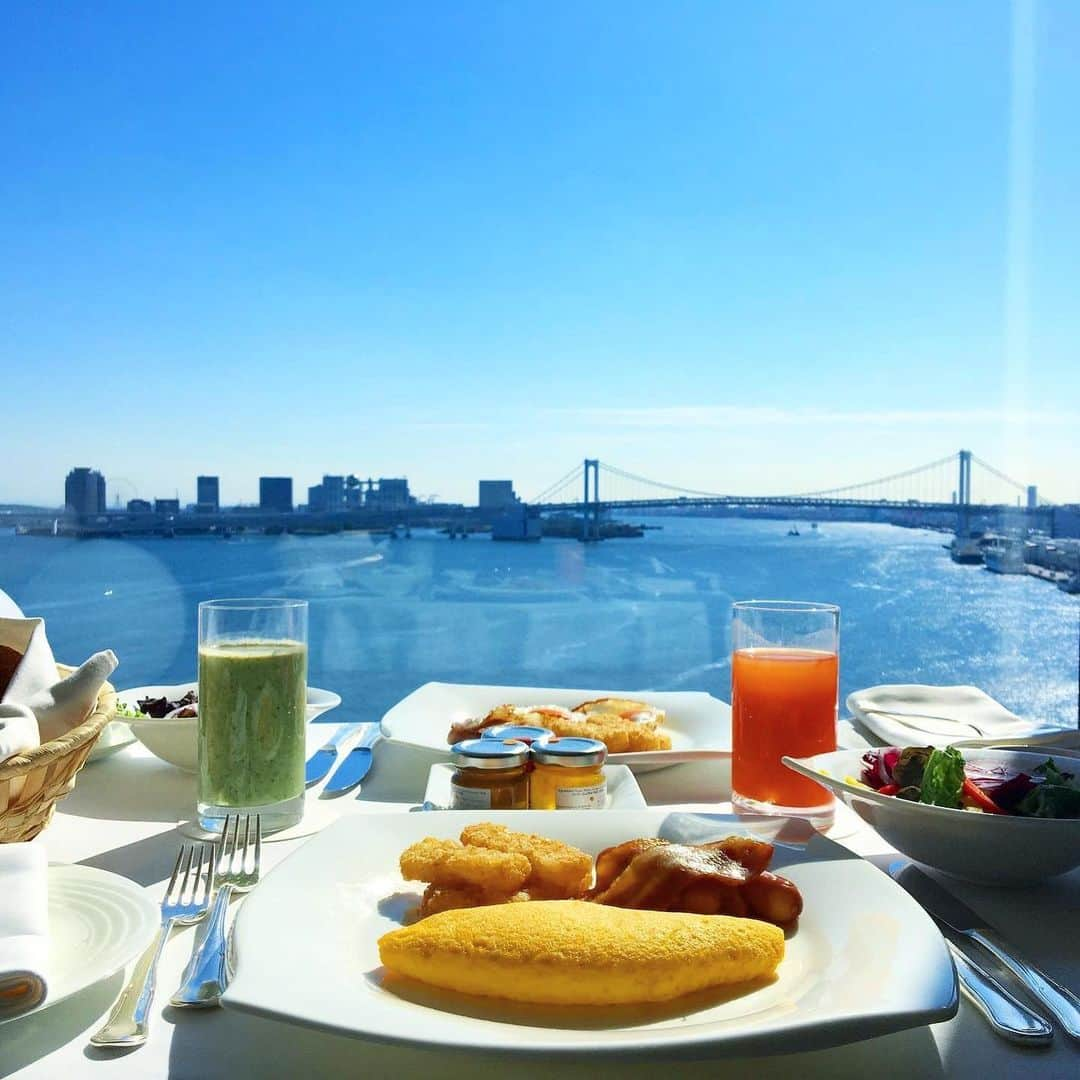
(785, 666)
(252, 692)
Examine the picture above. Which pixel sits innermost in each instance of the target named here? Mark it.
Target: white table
(123, 817)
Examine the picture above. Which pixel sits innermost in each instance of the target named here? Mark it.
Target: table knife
(1009, 1017)
(322, 761)
(1062, 1003)
(355, 765)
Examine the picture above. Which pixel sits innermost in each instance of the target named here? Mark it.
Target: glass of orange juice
(785, 667)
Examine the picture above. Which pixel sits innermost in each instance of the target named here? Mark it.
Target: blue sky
(762, 247)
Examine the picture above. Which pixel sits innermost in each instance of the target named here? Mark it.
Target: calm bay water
(389, 615)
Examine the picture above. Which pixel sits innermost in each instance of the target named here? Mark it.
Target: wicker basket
(48, 771)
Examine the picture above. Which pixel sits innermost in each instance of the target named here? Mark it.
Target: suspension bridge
(960, 484)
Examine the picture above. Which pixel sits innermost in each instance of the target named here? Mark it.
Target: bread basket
(47, 773)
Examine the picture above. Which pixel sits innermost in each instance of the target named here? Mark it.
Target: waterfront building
(84, 491)
(497, 495)
(316, 498)
(166, 506)
(333, 492)
(275, 493)
(392, 493)
(139, 506)
(207, 494)
(517, 523)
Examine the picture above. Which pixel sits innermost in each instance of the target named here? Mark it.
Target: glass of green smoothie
(252, 690)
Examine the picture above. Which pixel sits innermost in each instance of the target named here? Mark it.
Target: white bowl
(991, 849)
(175, 739)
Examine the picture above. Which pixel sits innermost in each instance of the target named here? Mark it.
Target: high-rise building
(84, 491)
(207, 494)
(316, 498)
(275, 493)
(497, 495)
(392, 493)
(333, 492)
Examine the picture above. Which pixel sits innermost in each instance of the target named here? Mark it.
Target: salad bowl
(987, 848)
(175, 738)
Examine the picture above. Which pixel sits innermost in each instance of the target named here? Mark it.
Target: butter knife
(322, 761)
(355, 765)
(1009, 1017)
(945, 908)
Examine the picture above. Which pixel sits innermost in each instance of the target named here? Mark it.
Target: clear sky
(744, 247)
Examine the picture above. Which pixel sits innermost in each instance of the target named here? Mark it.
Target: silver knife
(1009, 1018)
(355, 766)
(946, 908)
(322, 761)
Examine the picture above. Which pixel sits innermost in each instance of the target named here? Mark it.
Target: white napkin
(914, 715)
(57, 705)
(24, 928)
(18, 730)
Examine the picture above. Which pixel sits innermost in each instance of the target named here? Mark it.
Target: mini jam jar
(568, 774)
(490, 774)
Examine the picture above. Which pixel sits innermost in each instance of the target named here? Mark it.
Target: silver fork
(207, 974)
(129, 1020)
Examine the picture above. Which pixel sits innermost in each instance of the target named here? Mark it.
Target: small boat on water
(794, 531)
(1004, 555)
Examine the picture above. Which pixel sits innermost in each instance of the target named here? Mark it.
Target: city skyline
(757, 250)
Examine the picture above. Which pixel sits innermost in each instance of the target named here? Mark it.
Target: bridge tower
(590, 517)
(963, 494)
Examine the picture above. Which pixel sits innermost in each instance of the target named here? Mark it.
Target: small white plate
(827, 991)
(175, 739)
(97, 923)
(623, 792)
(694, 720)
(114, 736)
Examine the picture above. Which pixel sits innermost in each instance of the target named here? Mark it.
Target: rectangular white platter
(695, 720)
(306, 949)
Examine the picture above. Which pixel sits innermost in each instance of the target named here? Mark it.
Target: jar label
(581, 798)
(469, 798)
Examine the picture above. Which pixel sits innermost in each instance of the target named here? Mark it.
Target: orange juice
(783, 701)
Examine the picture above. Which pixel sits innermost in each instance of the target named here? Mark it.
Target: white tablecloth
(123, 817)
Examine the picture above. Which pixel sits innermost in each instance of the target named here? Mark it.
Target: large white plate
(337, 894)
(694, 720)
(97, 922)
(623, 792)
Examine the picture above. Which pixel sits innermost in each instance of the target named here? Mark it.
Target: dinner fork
(128, 1022)
(207, 974)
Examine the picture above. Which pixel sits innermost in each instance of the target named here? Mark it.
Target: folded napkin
(916, 715)
(28, 665)
(24, 928)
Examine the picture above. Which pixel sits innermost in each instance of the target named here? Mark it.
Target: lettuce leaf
(943, 778)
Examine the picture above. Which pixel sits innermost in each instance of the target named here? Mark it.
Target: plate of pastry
(582, 934)
(641, 728)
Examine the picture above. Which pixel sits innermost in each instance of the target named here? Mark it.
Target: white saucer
(98, 922)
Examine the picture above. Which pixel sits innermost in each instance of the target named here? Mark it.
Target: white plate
(114, 736)
(992, 849)
(623, 792)
(97, 923)
(830, 988)
(694, 720)
(175, 739)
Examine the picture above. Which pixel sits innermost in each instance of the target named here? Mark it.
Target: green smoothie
(251, 722)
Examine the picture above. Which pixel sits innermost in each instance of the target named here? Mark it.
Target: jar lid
(526, 733)
(570, 752)
(490, 754)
